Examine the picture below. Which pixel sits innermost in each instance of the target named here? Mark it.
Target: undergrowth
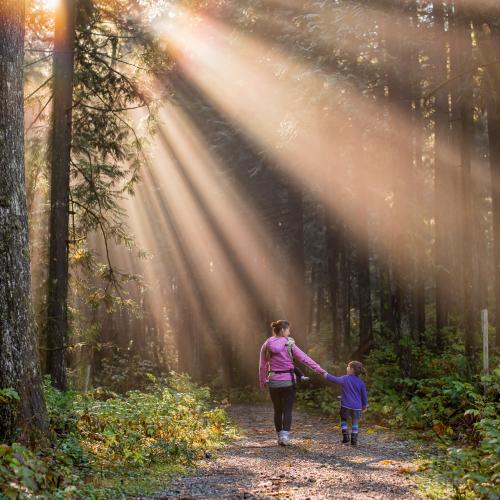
(440, 404)
(104, 442)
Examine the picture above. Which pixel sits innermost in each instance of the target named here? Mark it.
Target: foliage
(102, 440)
(24, 474)
(442, 404)
(124, 371)
(166, 423)
(324, 399)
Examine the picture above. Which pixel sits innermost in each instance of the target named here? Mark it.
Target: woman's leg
(276, 398)
(288, 399)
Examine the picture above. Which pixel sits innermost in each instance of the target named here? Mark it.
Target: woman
(276, 370)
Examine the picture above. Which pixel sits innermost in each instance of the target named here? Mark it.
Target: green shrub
(124, 371)
(324, 400)
(105, 438)
(24, 474)
(458, 413)
(168, 422)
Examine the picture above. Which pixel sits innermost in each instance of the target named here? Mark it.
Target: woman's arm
(263, 366)
(304, 358)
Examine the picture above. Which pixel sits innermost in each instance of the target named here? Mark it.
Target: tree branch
(37, 61)
(427, 96)
(39, 114)
(40, 87)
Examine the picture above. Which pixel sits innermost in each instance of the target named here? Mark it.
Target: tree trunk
(494, 144)
(443, 183)
(401, 150)
(338, 277)
(489, 46)
(298, 307)
(466, 131)
(57, 321)
(418, 221)
(365, 307)
(19, 366)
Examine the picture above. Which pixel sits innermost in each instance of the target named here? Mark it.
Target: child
(353, 400)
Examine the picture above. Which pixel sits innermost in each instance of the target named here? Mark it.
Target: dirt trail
(316, 466)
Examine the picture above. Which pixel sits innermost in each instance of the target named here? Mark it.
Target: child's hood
(276, 344)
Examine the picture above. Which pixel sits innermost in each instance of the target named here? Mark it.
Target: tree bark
(494, 146)
(400, 95)
(418, 221)
(298, 312)
(19, 366)
(364, 295)
(338, 277)
(57, 320)
(466, 131)
(489, 46)
(443, 184)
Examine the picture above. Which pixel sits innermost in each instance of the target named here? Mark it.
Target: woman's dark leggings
(282, 398)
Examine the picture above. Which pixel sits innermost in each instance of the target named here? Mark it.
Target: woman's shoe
(354, 439)
(285, 438)
(280, 438)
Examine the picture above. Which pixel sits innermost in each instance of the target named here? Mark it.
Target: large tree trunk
(362, 240)
(298, 312)
(57, 321)
(418, 221)
(19, 367)
(364, 296)
(494, 143)
(489, 46)
(401, 153)
(443, 185)
(466, 131)
(338, 277)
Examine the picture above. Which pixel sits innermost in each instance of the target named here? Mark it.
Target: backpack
(289, 346)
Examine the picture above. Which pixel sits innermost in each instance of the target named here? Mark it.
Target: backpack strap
(289, 346)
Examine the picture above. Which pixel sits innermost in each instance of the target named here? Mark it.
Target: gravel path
(315, 467)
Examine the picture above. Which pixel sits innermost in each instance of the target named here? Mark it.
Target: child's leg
(343, 425)
(356, 415)
(344, 413)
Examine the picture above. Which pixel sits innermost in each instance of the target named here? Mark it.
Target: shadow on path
(315, 467)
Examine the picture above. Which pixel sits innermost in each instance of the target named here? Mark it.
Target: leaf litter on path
(316, 467)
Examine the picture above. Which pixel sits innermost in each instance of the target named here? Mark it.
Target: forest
(177, 174)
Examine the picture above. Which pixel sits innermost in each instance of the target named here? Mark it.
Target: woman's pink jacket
(279, 360)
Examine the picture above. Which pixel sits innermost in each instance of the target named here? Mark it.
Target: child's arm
(335, 380)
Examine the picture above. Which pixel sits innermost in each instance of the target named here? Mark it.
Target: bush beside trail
(447, 408)
(103, 442)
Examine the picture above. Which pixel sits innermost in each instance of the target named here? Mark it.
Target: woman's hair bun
(280, 324)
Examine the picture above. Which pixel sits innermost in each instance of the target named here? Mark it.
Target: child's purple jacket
(353, 391)
(280, 360)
